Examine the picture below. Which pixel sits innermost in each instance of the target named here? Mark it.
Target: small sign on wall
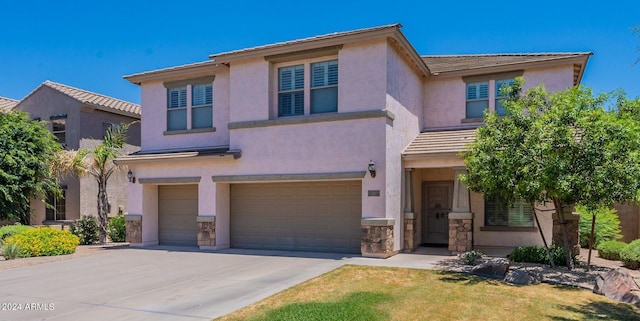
(374, 192)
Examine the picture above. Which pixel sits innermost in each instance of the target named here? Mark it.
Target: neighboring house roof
(431, 143)
(476, 64)
(7, 103)
(326, 42)
(98, 101)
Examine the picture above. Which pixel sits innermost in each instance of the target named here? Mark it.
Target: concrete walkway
(167, 283)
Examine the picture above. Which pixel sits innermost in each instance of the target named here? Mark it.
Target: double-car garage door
(309, 216)
(301, 216)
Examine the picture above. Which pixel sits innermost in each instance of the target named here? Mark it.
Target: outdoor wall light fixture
(372, 169)
(132, 179)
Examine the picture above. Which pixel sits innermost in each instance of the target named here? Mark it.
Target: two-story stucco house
(347, 142)
(79, 119)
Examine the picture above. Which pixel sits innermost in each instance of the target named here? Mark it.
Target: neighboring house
(7, 104)
(346, 142)
(79, 119)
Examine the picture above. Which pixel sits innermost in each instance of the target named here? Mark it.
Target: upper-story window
(177, 108)
(190, 104)
(477, 99)
(484, 92)
(201, 106)
(321, 88)
(501, 96)
(59, 128)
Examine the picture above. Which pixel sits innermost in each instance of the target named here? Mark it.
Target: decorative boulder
(618, 285)
(522, 277)
(494, 268)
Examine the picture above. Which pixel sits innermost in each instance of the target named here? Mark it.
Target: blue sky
(91, 45)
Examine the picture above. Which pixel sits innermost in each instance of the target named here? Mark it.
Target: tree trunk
(565, 233)
(103, 210)
(544, 240)
(593, 227)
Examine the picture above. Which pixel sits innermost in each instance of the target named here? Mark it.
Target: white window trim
(307, 84)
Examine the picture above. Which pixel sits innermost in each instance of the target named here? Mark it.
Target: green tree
(566, 148)
(26, 150)
(98, 163)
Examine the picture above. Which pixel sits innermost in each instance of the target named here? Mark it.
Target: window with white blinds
(308, 88)
(291, 90)
(201, 106)
(496, 213)
(324, 87)
(477, 99)
(500, 96)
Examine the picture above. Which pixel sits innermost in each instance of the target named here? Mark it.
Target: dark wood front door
(436, 204)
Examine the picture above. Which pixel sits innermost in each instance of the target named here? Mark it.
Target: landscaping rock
(494, 268)
(522, 277)
(618, 285)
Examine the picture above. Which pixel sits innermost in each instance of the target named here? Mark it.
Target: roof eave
(517, 65)
(112, 110)
(206, 68)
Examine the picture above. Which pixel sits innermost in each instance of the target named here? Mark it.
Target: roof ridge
(49, 82)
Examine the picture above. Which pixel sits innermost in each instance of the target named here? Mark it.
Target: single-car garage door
(313, 216)
(177, 215)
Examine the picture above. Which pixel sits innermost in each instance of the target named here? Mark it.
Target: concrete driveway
(165, 283)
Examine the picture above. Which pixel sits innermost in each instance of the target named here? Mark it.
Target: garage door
(177, 215)
(315, 216)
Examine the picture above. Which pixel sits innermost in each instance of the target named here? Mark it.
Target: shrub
(44, 242)
(11, 230)
(471, 257)
(630, 255)
(11, 250)
(86, 229)
(607, 226)
(117, 229)
(610, 250)
(538, 254)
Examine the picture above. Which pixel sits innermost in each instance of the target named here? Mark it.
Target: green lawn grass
(374, 293)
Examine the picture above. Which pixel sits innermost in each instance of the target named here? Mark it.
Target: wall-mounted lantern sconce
(372, 169)
(132, 179)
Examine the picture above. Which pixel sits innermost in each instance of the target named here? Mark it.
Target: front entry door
(436, 204)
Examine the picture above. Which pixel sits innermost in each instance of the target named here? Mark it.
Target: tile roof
(104, 102)
(440, 142)
(7, 103)
(309, 39)
(449, 63)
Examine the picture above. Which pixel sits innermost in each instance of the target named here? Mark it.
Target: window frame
(307, 85)
(499, 97)
(493, 97)
(59, 204)
(190, 106)
(60, 119)
(522, 209)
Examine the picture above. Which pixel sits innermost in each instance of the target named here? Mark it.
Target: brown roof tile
(449, 63)
(440, 142)
(98, 100)
(7, 103)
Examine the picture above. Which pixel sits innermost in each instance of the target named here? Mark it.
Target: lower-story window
(497, 213)
(58, 208)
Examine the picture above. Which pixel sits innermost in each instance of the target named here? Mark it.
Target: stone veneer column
(133, 225)
(377, 237)
(572, 220)
(460, 217)
(206, 232)
(409, 215)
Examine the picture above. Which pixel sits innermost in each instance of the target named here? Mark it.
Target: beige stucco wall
(629, 221)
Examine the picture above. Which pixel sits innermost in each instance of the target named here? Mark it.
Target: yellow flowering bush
(44, 242)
